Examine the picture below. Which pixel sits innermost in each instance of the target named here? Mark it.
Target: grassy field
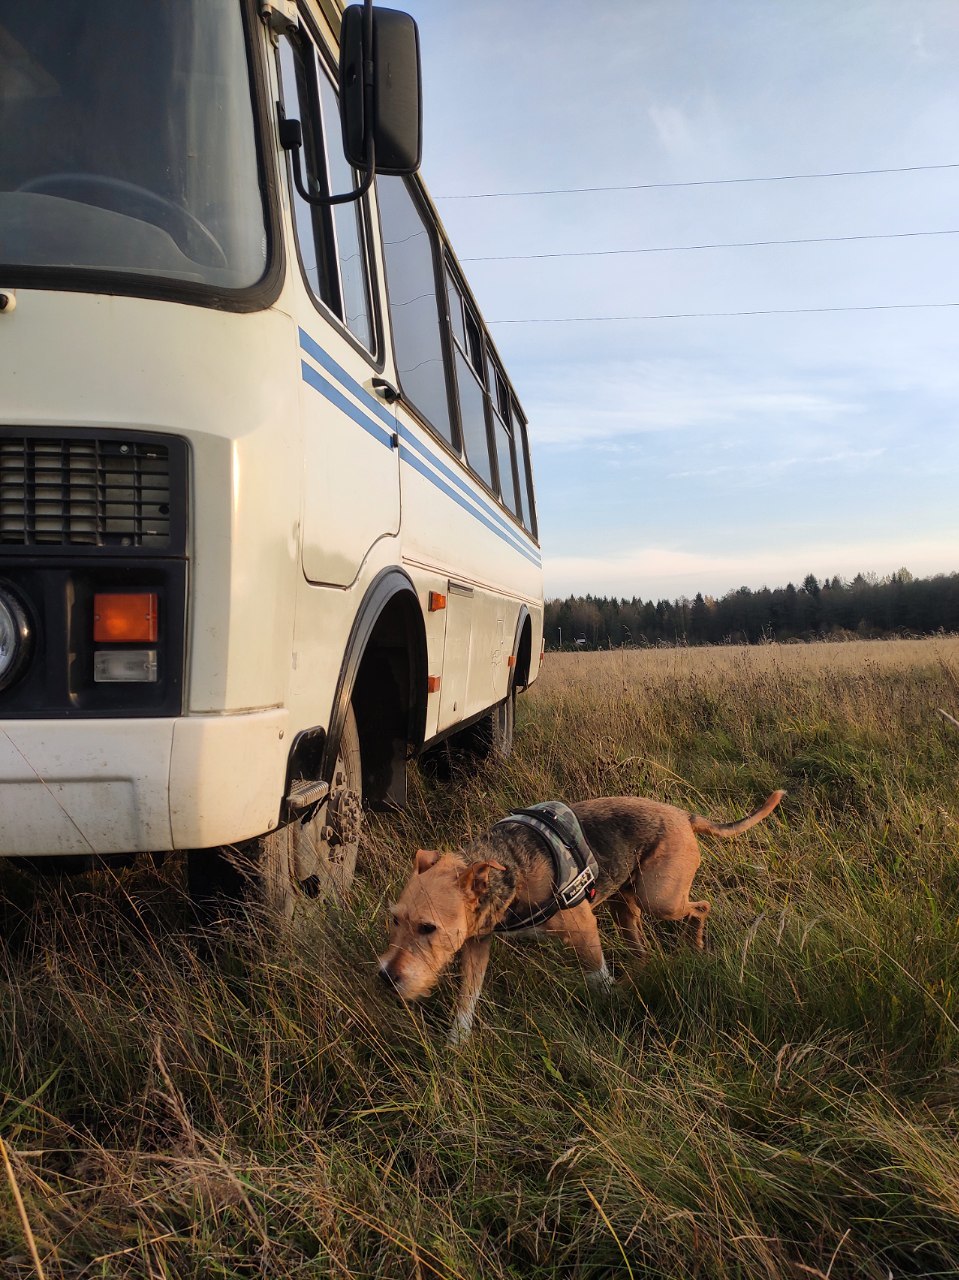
(785, 1104)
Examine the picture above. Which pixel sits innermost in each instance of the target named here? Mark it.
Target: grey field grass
(785, 1104)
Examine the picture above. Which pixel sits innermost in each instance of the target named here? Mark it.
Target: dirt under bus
(267, 519)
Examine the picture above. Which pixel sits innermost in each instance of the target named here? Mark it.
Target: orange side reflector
(118, 618)
(437, 601)
(432, 684)
(511, 660)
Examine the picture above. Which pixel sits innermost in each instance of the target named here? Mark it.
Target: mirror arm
(320, 202)
(291, 133)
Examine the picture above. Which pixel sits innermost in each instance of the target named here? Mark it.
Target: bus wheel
(307, 861)
(502, 721)
(323, 849)
(490, 738)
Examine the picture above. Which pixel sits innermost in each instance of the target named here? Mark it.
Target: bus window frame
(519, 424)
(133, 284)
(453, 447)
(471, 316)
(444, 260)
(492, 361)
(326, 243)
(499, 380)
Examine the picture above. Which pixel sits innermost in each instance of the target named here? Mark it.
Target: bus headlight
(16, 637)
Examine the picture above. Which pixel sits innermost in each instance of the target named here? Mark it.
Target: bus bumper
(127, 786)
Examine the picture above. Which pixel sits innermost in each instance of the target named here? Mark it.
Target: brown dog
(647, 854)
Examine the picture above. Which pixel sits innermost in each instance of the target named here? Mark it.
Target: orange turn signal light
(130, 616)
(432, 684)
(437, 601)
(511, 660)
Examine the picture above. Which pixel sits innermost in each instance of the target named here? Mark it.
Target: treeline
(867, 607)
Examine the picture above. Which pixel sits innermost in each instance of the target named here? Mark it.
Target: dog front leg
(474, 958)
(578, 927)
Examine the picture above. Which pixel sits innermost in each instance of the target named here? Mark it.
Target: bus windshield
(127, 141)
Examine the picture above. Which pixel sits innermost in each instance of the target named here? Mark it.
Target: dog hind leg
(629, 920)
(696, 920)
(663, 883)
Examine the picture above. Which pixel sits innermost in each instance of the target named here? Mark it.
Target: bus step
(304, 793)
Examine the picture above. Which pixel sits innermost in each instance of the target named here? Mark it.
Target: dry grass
(786, 1104)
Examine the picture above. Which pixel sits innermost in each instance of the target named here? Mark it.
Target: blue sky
(676, 456)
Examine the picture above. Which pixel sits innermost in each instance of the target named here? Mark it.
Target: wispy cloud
(618, 401)
(672, 127)
(772, 467)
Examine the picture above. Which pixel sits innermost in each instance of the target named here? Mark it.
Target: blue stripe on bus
(325, 389)
(349, 408)
(504, 527)
(330, 365)
(312, 348)
(339, 373)
(412, 461)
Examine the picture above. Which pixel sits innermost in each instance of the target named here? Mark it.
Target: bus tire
(291, 870)
(502, 723)
(491, 737)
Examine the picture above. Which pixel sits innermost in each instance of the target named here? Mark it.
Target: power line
(701, 182)
(711, 315)
(686, 248)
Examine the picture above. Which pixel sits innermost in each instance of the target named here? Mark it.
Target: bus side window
(523, 466)
(470, 384)
(413, 301)
(332, 241)
(510, 491)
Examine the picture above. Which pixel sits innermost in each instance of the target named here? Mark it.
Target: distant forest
(868, 607)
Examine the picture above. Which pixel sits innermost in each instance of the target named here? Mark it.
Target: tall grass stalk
(785, 1104)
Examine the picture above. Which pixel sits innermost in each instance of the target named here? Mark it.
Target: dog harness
(575, 868)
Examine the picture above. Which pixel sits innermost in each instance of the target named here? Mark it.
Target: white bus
(267, 522)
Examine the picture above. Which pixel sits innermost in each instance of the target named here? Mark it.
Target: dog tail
(734, 828)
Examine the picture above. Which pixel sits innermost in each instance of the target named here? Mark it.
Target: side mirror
(387, 112)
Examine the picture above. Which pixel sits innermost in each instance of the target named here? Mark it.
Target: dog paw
(458, 1034)
(600, 980)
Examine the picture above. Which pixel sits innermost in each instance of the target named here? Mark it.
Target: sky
(673, 456)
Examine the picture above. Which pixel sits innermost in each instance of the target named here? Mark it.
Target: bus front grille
(83, 491)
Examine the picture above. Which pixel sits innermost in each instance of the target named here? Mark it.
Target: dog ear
(424, 859)
(475, 879)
